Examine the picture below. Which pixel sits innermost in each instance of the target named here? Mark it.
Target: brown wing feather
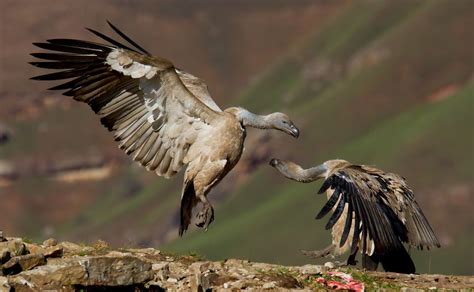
(199, 88)
(139, 98)
(402, 201)
(374, 219)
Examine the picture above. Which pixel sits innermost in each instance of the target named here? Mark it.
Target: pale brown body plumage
(372, 211)
(161, 116)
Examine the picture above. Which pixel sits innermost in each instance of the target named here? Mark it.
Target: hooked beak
(294, 131)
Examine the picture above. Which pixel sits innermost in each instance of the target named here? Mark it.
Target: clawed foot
(205, 216)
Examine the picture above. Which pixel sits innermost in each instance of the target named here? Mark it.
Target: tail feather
(188, 201)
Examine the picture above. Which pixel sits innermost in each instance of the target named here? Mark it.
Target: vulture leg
(320, 253)
(205, 179)
(351, 261)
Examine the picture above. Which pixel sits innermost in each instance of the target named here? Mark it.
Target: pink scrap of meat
(346, 283)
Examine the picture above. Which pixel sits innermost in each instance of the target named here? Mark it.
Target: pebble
(50, 242)
(269, 285)
(311, 269)
(329, 265)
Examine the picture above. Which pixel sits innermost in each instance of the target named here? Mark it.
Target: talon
(205, 217)
(200, 220)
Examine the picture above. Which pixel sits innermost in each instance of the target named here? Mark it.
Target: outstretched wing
(141, 99)
(376, 227)
(402, 201)
(382, 207)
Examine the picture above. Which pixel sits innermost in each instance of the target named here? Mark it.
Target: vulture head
(281, 122)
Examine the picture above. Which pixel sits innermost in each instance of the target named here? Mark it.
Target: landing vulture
(372, 211)
(161, 116)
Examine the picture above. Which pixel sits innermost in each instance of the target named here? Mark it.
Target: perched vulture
(372, 211)
(161, 116)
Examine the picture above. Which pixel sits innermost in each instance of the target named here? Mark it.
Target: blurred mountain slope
(398, 97)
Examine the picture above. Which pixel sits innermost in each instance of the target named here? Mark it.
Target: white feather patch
(371, 247)
(121, 62)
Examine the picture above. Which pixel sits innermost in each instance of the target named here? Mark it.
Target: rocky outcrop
(67, 266)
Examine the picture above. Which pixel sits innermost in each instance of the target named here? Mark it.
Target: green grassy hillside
(384, 99)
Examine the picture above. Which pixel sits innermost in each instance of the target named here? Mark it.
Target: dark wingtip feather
(79, 47)
(326, 184)
(80, 44)
(57, 65)
(65, 57)
(58, 75)
(38, 44)
(125, 37)
(110, 40)
(63, 86)
(330, 203)
(337, 213)
(42, 77)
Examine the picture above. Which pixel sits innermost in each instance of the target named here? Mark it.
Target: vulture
(372, 211)
(161, 116)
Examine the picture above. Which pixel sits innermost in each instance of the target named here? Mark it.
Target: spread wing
(402, 201)
(141, 99)
(370, 198)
